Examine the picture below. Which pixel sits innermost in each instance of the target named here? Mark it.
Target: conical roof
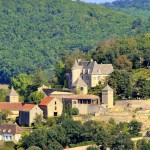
(13, 92)
(107, 88)
(79, 82)
(75, 65)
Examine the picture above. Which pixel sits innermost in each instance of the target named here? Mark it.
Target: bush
(92, 148)
(75, 111)
(33, 148)
(82, 144)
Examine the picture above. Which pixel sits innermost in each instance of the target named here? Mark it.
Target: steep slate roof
(10, 106)
(93, 67)
(81, 96)
(76, 65)
(28, 107)
(10, 129)
(106, 68)
(13, 92)
(46, 101)
(107, 88)
(79, 82)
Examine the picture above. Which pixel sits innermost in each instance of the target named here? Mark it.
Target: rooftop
(28, 107)
(81, 96)
(79, 82)
(46, 101)
(10, 129)
(10, 106)
(13, 92)
(107, 88)
(93, 67)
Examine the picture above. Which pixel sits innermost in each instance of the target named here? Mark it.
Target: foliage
(38, 121)
(5, 114)
(123, 63)
(97, 90)
(82, 144)
(134, 127)
(122, 142)
(124, 53)
(92, 148)
(33, 148)
(2, 95)
(75, 111)
(27, 86)
(143, 144)
(35, 32)
(142, 88)
(74, 133)
(137, 8)
(36, 97)
(121, 82)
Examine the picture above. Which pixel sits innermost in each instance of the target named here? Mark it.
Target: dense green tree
(143, 144)
(121, 82)
(123, 63)
(60, 72)
(36, 97)
(34, 148)
(2, 95)
(134, 127)
(21, 84)
(73, 129)
(142, 88)
(122, 142)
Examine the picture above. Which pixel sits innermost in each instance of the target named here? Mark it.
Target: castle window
(55, 102)
(55, 108)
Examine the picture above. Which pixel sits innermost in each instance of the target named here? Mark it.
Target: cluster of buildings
(83, 75)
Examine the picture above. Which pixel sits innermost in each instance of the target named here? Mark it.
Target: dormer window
(4, 130)
(9, 130)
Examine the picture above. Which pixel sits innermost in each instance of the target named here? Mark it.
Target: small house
(28, 114)
(51, 106)
(10, 132)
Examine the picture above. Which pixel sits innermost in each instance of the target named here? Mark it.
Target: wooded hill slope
(33, 33)
(138, 8)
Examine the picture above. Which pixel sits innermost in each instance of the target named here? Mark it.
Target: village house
(91, 104)
(28, 114)
(10, 132)
(51, 107)
(11, 108)
(87, 74)
(85, 103)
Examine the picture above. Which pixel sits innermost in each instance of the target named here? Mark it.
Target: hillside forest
(35, 33)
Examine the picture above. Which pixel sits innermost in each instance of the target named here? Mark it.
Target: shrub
(92, 148)
(75, 111)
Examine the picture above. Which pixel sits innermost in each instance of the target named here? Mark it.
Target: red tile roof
(10, 129)
(10, 106)
(46, 101)
(28, 107)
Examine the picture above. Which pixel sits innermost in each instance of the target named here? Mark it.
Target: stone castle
(87, 74)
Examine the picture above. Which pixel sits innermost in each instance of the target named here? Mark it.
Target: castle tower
(13, 96)
(76, 71)
(107, 96)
